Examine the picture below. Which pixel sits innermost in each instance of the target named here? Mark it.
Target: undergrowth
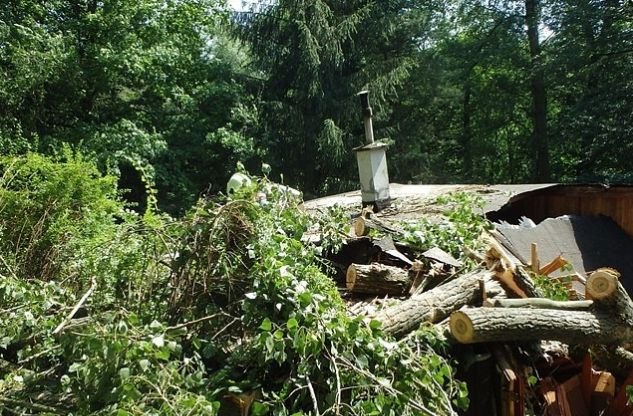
(221, 310)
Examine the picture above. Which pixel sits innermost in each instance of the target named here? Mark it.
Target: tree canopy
(173, 95)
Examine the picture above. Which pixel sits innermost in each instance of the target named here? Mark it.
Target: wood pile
(520, 352)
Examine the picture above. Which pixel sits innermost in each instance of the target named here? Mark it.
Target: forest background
(175, 93)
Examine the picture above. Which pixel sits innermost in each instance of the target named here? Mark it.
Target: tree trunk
(377, 279)
(504, 325)
(434, 305)
(467, 133)
(539, 98)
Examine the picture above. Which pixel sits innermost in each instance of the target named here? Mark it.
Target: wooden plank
(619, 406)
(508, 382)
(534, 258)
(563, 403)
(587, 380)
(547, 388)
(558, 262)
(603, 392)
(574, 396)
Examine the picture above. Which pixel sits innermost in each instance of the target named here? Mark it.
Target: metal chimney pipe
(372, 163)
(367, 115)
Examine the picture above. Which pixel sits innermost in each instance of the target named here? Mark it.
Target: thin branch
(313, 396)
(5, 401)
(79, 304)
(199, 320)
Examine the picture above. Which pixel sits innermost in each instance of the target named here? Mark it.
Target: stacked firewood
(496, 311)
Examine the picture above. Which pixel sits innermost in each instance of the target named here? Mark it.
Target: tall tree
(592, 44)
(148, 86)
(539, 95)
(315, 56)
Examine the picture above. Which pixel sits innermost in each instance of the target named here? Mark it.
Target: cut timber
(603, 392)
(363, 224)
(548, 389)
(602, 284)
(558, 262)
(573, 394)
(359, 227)
(434, 305)
(534, 258)
(608, 321)
(377, 279)
(526, 324)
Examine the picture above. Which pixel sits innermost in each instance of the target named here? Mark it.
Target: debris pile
(522, 347)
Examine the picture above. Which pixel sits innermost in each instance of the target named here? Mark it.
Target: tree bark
(377, 279)
(434, 305)
(539, 97)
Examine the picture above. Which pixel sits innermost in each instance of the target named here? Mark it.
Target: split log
(377, 279)
(610, 321)
(434, 305)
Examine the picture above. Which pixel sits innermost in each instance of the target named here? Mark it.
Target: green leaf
(375, 324)
(266, 325)
(124, 372)
(292, 323)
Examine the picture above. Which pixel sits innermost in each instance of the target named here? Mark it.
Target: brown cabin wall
(615, 202)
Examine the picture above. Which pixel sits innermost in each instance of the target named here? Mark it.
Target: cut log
(377, 279)
(609, 321)
(363, 224)
(509, 324)
(434, 305)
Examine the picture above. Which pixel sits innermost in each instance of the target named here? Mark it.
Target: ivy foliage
(145, 314)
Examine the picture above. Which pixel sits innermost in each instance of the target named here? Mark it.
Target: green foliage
(461, 225)
(182, 314)
(147, 84)
(315, 56)
(555, 289)
(46, 206)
